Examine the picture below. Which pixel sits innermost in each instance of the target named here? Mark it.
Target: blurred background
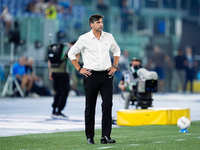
(137, 26)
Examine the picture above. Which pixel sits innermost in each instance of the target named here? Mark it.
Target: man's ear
(91, 25)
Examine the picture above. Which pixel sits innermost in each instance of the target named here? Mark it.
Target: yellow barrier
(196, 86)
(138, 117)
(175, 114)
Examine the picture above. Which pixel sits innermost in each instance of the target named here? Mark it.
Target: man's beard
(99, 30)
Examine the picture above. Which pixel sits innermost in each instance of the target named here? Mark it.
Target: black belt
(93, 71)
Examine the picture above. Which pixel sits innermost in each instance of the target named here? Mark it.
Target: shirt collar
(92, 34)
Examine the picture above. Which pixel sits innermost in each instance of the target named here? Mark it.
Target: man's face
(180, 52)
(135, 63)
(30, 62)
(22, 61)
(189, 51)
(97, 25)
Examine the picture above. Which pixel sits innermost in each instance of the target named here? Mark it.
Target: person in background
(129, 76)
(158, 59)
(180, 66)
(29, 70)
(38, 88)
(101, 5)
(60, 78)
(51, 10)
(191, 64)
(126, 17)
(124, 62)
(98, 71)
(103, 8)
(7, 19)
(19, 71)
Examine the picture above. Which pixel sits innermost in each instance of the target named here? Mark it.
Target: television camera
(142, 88)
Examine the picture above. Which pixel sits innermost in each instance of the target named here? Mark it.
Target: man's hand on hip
(85, 72)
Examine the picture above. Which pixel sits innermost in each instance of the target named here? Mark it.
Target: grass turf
(152, 137)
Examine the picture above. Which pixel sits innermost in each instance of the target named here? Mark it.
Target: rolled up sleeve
(115, 48)
(75, 49)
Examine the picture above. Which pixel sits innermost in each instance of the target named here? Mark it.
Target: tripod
(8, 87)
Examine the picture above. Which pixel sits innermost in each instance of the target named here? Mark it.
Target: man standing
(191, 64)
(159, 58)
(57, 73)
(98, 74)
(180, 66)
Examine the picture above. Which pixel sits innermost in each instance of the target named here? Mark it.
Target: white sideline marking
(179, 140)
(134, 144)
(105, 147)
(158, 142)
(198, 137)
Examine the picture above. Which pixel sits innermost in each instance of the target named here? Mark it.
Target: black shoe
(90, 141)
(26, 93)
(105, 140)
(54, 111)
(61, 115)
(54, 114)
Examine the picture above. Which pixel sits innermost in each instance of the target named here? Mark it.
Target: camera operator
(138, 84)
(129, 76)
(57, 64)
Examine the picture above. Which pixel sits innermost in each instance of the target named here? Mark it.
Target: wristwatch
(115, 66)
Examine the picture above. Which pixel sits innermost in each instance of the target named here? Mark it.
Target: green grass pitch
(151, 137)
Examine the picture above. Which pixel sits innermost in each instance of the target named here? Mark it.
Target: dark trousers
(189, 77)
(61, 87)
(103, 83)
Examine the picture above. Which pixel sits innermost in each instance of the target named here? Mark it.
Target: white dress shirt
(95, 53)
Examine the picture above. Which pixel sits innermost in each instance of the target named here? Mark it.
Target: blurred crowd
(54, 9)
(50, 8)
(182, 66)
